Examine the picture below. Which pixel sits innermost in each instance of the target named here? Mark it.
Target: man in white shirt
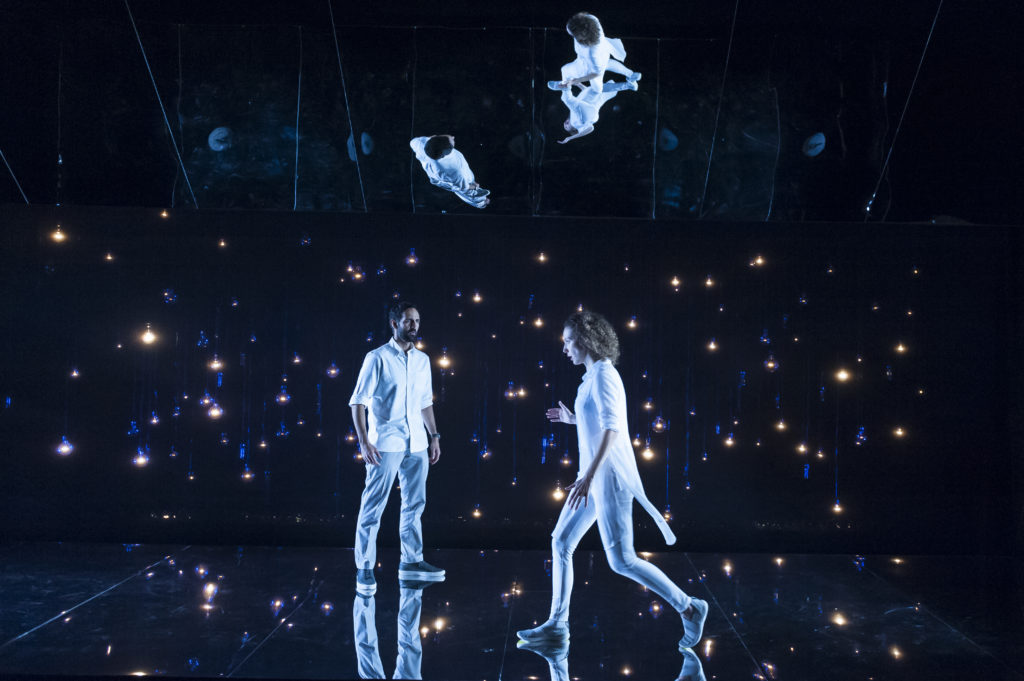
(447, 168)
(394, 386)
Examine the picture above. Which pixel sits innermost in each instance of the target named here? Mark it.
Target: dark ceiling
(919, 117)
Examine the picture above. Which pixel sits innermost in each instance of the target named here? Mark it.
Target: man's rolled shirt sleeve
(427, 398)
(366, 384)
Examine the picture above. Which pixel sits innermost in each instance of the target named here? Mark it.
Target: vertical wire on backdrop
(533, 124)
(906, 104)
(298, 108)
(778, 150)
(177, 108)
(718, 110)
(160, 101)
(348, 108)
(60, 96)
(657, 111)
(412, 117)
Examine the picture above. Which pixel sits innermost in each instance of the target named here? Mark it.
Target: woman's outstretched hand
(561, 414)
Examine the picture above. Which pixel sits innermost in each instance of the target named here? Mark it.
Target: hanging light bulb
(712, 345)
(296, 359)
(558, 494)
(771, 364)
(148, 337)
(658, 425)
(476, 511)
(283, 397)
(65, 447)
(632, 323)
(154, 419)
(215, 412)
(781, 425)
(247, 474)
(542, 257)
(647, 454)
(675, 283)
(205, 399)
(443, 360)
(411, 259)
(332, 370)
(58, 236)
(477, 297)
(215, 363)
(842, 375)
(709, 282)
(141, 458)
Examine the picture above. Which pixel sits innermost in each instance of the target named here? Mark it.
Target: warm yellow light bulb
(148, 337)
(842, 375)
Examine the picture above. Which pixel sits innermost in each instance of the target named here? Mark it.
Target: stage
(263, 612)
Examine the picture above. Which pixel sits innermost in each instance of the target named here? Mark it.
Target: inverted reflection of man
(447, 168)
(595, 54)
(607, 484)
(410, 648)
(692, 669)
(394, 386)
(364, 627)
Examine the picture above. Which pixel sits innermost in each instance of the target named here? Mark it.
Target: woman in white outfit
(606, 486)
(594, 56)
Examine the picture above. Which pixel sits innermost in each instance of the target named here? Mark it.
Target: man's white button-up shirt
(395, 387)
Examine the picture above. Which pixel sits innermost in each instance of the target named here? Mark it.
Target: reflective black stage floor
(76, 609)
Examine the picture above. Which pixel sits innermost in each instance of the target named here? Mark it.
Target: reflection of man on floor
(410, 648)
(447, 168)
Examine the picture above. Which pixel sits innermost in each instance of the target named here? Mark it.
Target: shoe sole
(549, 638)
(414, 576)
(366, 589)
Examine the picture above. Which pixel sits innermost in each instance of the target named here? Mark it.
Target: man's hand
(435, 450)
(370, 453)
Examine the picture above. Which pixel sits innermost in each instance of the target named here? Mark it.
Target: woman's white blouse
(601, 405)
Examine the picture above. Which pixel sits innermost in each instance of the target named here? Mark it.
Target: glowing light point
(729, 441)
(709, 282)
(58, 236)
(222, 243)
(712, 345)
(839, 619)
(141, 458)
(296, 359)
(647, 453)
(801, 448)
(74, 373)
(209, 591)
(411, 259)
(476, 511)
(779, 561)
(781, 425)
(675, 283)
(558, 494)
(65, 447)
(842, 375)
(148, 337)
(837, 508)
(283, 397)
(326, 608)
(247, 474)
(164, 214)
(477, 298)
(757, 261)
(443, 360)
(899, 432)
(215, 364)
(215, 412)
(771, 364)
(542, 257)
(109, 257)
(632, 323)
(538, 322)
(332, 370)
(901, 348)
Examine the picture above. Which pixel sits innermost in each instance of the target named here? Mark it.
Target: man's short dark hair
(397, 310)
(585, 28)
(438, 147)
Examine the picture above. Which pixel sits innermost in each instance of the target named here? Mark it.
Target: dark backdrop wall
(733, 339)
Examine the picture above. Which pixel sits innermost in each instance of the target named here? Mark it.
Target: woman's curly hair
(585, 28)
(594, 334)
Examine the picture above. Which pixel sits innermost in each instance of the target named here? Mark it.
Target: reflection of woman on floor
(606, 486)
(584, 108)
(594, 55)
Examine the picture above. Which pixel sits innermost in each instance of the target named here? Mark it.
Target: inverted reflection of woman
(606, 486)
(595, 54)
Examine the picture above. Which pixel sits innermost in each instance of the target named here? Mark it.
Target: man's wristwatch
(435, 435)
